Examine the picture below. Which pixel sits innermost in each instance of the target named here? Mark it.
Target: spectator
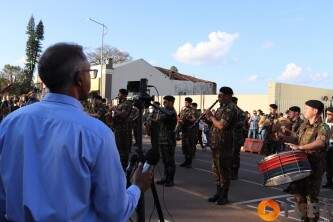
(253, 129)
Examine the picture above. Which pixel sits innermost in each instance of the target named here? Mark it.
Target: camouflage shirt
(238, 131)
(296, 124)
(185, 115)
(227, 114)
(167, 122)
(308, 133)
(122, 122)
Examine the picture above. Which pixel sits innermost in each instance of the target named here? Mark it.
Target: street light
(103, 33)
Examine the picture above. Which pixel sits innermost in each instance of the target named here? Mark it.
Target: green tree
(33, 50)
(13, 76)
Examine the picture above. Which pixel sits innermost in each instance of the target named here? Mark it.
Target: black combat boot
(223, 197)
(161, 181)
(216, 196)
(169, 178)
(189, 163)
(328, 184)
(185, 163)
(234, 174)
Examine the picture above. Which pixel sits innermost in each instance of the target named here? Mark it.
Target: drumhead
(287, 178)
(281, 154)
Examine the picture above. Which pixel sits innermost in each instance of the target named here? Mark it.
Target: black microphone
(152, 158)
(134, 159)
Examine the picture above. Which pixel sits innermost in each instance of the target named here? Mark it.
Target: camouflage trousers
(306, 191)
(123, 141)
(168, 158)
(188, 144)
(221, 169)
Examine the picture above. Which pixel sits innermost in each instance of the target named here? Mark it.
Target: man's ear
(77, 79)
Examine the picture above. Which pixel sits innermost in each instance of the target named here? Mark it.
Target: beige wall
(287, 95)
(245, 102)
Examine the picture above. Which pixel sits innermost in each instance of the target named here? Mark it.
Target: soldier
(153, 125)
(271, 144)
(185, 122)
(329, 153)
(311, 138)
(238, 141)
(99, 110)
(167, 119)
(197, 128)
(134, 125)
(121, 126)
(223, 121)
(294, 115)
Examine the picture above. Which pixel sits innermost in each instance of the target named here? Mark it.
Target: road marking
(191, 192)
(260, 199)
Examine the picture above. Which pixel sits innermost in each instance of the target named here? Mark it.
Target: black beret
(295, 109)
(123, 91)
(226, 90)
(316, 104)
(189, 99)
(329, 109)
(273, 106)
(169, 98)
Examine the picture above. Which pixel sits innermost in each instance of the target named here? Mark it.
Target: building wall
(193, 88)
(287, 95)
(138, 69)
(245, 102)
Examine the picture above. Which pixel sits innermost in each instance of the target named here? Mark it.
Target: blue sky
(242, 44)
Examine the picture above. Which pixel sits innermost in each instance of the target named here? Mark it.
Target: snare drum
(284, 168)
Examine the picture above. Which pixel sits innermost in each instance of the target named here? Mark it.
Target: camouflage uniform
(307, 190)
(329, 160)
(134, 125)
(122, 130)
(188, 134)
(222, 146)
(198, 133)
(271, 145)
(238, 141)
(296, 124)
(167, 142)
(153, 125)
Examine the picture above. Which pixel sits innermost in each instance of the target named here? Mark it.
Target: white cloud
(291, 72)
(253, 78)
(317, 77)
(214, 49)
(268, 44)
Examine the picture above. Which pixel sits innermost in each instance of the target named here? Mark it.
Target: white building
(168, 82)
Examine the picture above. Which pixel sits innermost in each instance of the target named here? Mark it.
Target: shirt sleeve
(2, 190)
(112, 201)
(227, 117)
(323, 133)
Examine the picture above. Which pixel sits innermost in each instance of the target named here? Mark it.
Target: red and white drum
(284, 167)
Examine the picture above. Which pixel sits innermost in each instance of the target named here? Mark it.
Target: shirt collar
(64, 99)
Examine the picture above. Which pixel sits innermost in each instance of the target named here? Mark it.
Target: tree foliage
(33, 50)
(13, 76)
(117, 56)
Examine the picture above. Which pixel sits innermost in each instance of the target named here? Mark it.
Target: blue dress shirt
(59, 164)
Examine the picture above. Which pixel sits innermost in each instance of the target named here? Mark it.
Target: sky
(243, 44)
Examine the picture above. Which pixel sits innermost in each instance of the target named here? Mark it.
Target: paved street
(186, 201)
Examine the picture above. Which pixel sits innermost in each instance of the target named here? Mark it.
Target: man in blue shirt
(56, 162)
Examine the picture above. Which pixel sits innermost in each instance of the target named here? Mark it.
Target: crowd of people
(65, 144)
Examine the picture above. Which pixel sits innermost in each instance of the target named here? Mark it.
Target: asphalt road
(187, 200)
